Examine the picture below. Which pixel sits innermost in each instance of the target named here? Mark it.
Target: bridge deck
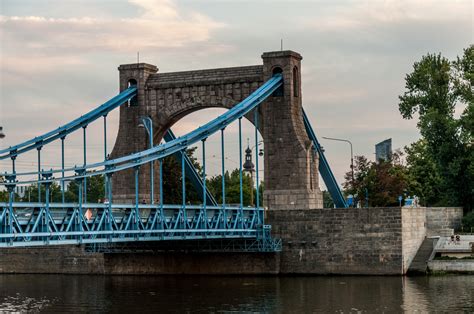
(38, 224)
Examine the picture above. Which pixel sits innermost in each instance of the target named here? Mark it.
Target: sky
(59, 59)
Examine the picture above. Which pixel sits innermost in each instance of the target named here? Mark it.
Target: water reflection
(67, 293)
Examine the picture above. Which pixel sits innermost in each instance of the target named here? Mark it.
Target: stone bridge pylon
(290, 163)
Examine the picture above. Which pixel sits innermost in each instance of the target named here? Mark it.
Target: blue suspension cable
(39, 174)
(257, 197)
(85, 162)
(62, 169)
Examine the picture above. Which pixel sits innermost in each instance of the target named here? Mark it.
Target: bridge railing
(30, 224)
(46, 223)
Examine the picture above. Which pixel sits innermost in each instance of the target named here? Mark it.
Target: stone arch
(180, 109)
(291, 183)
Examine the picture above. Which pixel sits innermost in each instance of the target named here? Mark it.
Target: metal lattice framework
(46, 223)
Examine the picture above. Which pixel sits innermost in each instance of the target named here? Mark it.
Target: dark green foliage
(3, 196)
(95, 190)
(382, 181)
(31, 194)
(327, 200)
(172, 181)
(424, 177)
(232, 186)
(468, 222)
(434, 89)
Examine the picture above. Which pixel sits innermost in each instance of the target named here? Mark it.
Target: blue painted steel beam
(191, 172)
(69, 127)
(169, 148)
(324, 168)
(38, 224)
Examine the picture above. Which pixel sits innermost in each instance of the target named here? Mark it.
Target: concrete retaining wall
(451, 266)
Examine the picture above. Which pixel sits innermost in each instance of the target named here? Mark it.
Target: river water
(183, 294)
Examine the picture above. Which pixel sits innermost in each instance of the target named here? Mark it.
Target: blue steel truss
(100, 225)
(34, 224)
(191, 173)
(47, 223)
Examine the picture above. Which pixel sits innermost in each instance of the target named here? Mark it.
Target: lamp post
(352, 154)
(147, 123)
(249, 166)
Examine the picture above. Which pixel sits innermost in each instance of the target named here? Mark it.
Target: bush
(468, 221)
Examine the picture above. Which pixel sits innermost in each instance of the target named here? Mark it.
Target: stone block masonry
(442, 218)
(413, 233)
(362, 241)
(290, 162)
(342, 241)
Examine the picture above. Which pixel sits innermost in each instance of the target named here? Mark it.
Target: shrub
(468, 221)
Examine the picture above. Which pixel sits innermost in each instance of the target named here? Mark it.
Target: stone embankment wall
(413, 233)
(376, 241)
(439, 218)
(74, 260)
(368, 241)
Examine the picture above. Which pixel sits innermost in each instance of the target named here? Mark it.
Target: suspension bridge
(267, 95)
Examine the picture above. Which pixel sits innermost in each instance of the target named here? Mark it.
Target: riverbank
(340, 241)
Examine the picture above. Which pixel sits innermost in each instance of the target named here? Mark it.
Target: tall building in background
(383, 150)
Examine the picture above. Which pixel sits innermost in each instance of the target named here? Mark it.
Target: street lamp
(249, 166)
(352, 154)
(147, 123)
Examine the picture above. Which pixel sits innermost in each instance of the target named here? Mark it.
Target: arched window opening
(296, 84)
(132, 101)
(279, 91)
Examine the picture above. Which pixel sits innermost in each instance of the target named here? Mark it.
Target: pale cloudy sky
(59, 59)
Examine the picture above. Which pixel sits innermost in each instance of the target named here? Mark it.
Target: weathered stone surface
(291, 165)
(413, 233)
(67, 259)
(439, 218)
(366, 241)
(340, 241)
(462, 266)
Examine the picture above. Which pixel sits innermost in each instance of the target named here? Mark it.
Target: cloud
(160, 25)
(366, 14)
(61, 62)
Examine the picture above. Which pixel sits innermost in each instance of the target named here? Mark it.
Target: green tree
(327, 200)
(172, 180)
(424, 179)
(4, 193)
(382, 181)
(232, 188)
(433, 90)
(95, 190)
(31, 194)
